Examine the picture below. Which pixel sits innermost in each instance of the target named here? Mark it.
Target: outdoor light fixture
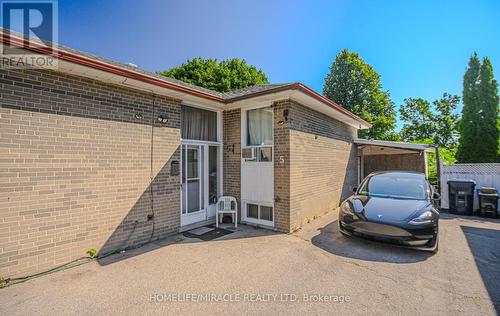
(138, 116)
(162, 119)
(285, 115)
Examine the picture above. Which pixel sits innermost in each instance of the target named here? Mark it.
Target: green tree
(418, 118)
(446, 156)
(478, 127)
(446, 120)
(488, 108)
(222, 76)
(437, 122)
(356, 86)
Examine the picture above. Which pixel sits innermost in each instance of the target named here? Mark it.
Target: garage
(378, 155)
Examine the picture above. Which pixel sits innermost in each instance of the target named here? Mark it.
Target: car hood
(386, 209)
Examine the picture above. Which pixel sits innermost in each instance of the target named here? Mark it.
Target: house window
(265, 154)
(253, 211)
(260, 127)
(198, 124)
(259, 135)
(259, 212)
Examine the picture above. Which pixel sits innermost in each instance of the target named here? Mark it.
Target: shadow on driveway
(330, 239)
(243, 231)
(485, 247)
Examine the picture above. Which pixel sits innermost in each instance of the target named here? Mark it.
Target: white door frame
(200, 215)
(208, 210)
(244, 201)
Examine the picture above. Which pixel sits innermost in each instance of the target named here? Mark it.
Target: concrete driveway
(252, 271)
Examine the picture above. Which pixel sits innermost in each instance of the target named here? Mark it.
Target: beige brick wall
(281, 168)
(232, 153)
(78, 170)
(320, 163)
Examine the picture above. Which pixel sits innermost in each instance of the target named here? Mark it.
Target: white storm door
(193, 184)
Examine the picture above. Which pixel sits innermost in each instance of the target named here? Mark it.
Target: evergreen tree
(478, 126)
(467, 126)
(488, 112)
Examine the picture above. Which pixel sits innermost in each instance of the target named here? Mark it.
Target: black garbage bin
(461, 196)
(488, 202)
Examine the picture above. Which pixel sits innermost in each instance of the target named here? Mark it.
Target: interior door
(193, 184)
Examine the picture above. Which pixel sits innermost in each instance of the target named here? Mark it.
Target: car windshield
(395, 185)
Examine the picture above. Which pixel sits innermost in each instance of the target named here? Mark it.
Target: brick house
(97, 154)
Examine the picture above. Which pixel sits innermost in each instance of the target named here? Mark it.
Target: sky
(420, 48)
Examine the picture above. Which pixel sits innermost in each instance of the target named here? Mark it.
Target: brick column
(232, 153)
(281, 168)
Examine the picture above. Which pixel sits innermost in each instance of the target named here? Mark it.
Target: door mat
(211, 234)
(201, 230)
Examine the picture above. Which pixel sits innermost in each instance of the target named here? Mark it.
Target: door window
(193, 179)
(259, 135)
(260, 127)
(213, 159)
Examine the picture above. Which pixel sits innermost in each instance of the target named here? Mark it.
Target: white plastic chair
(225, 206)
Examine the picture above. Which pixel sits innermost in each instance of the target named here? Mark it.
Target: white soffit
(300, 97)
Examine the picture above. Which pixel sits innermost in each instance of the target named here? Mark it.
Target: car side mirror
(354, 189)
(436, 196)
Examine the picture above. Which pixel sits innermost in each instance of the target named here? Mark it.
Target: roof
(401, 145)
(258, 88)
(89, 60)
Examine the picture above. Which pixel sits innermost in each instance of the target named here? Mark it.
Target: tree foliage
(437, 121)
(220, 76)
(356, 86)
(446, 156)
(479, 124)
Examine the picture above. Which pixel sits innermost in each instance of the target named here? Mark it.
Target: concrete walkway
(253, 271)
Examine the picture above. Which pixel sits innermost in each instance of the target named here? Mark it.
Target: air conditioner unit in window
(249, 153)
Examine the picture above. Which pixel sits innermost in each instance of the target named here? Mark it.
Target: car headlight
(424, 218)
(346, 208)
